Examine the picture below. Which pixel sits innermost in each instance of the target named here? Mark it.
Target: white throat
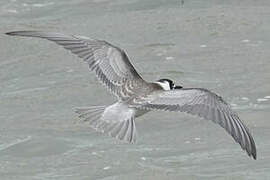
(165, 85)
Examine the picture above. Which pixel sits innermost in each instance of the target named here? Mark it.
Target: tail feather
(122, 129)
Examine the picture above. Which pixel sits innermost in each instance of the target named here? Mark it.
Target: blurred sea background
(219, 45)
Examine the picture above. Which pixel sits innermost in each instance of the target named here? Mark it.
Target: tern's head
(167, 84)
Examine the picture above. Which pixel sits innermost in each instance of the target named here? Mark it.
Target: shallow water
(220, 45)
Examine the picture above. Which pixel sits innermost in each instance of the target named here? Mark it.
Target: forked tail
(122, 129)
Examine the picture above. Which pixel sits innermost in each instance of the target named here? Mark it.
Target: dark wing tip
(254, 151)
(15, 33)
(9, 33)
(254, 155)
(23, 33)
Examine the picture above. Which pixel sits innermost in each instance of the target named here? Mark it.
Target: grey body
(137, 97)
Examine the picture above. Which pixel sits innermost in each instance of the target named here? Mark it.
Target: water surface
(220, 45)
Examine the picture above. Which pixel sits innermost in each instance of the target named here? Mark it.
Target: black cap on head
(169, 81)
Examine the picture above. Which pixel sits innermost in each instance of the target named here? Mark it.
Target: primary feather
(203, 103)
(110, 63)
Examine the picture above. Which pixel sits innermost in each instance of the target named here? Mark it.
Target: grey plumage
(119, 125)
(136, 96)
(109, 62)
(203, 103)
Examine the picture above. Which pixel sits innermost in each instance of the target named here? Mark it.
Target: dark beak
(178, 87)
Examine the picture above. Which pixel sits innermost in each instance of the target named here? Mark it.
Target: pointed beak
(178, 87)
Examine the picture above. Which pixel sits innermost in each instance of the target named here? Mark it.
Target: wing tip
(253, 151)
(17, 33)
(10, 33)
(25, 33)
(254, 154)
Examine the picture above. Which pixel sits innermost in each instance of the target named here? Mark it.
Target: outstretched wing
(203, 103)
(110, 63)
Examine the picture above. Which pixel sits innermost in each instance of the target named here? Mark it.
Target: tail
(122, 129)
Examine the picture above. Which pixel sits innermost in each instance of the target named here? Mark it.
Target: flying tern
(135, 96)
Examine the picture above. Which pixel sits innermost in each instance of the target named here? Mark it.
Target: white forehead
(165, 85)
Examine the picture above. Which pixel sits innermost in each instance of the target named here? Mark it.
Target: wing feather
(110, 63)
(203, 103)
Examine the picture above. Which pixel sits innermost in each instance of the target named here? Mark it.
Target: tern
(135, 96)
